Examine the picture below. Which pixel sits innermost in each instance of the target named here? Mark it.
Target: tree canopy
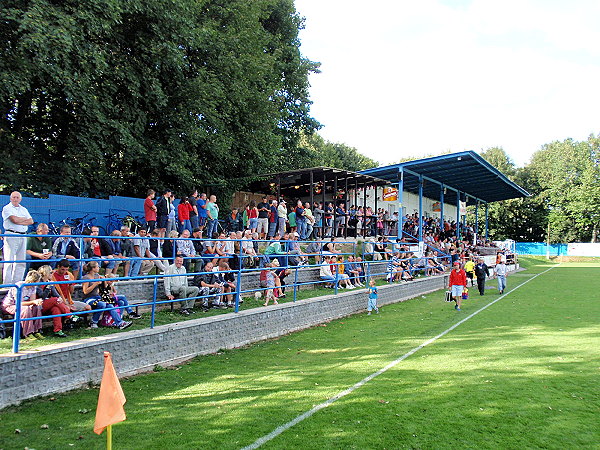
(103, 97)
(563, 178)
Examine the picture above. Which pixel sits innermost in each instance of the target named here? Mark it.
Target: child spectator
(372, 303)
(270, 275)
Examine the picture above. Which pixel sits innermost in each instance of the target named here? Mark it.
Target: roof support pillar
(335, 191)
(400, 198)
(346, 197)
(364, 228)
(486, 220)
(375, 213)
(442, 190)
(312, 190)
(476, 222)
(421, 211)
(458, 215)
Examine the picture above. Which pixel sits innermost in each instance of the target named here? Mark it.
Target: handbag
(448, 296)
(465, 294)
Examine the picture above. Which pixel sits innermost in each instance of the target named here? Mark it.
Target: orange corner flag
(111, 398)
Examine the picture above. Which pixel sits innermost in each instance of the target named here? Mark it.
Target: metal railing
(368, 268)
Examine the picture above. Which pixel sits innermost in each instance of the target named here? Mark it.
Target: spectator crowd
(191, 239)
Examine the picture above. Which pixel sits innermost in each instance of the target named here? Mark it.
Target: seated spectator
(198, 249)
(39, 248)
(185, 247)
(170, 246)
(394, 268)
(298, 257)
(221, 248)
(66, 248)
(65, 291)
(108, 293)
(344, 278)
(353, 271)
(380, 249)
(227, 280)
(53, 303)
(156, 249)
(141, 249)
(126, 248)
(176, 286)
(325, 272)
(31, 306)
(110, 248)
(359, 265)
(230, 244)
(314, 249)
(329, 247)
(209, 286)
(274, 250)
(250, 257)
(407, 268)
(433, 268)
(91, 296)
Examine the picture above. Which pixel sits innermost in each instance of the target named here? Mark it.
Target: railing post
(81, 257)
(17, 320)
(295, 282)
(336, 282)
(238, 282)
(154, 295)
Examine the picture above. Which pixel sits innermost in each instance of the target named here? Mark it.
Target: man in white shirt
(177, 286)
(16, 220)
(141, 249)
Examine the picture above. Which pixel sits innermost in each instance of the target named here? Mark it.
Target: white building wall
(410, 204)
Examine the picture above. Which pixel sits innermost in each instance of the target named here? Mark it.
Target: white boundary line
(280, 429)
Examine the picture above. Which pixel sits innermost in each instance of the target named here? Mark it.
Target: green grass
(524, 373)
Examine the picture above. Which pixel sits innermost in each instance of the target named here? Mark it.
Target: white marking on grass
(280, 429)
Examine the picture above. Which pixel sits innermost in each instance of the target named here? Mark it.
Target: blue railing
(368, 268)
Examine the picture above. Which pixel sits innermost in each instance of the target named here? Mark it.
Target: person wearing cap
(481, 271)
(457, 283)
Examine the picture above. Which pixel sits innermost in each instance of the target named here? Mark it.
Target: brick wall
(70, 365)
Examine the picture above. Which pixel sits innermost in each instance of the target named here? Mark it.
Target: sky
(416, 78)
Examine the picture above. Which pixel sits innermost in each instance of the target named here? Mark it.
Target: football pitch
(523, 372)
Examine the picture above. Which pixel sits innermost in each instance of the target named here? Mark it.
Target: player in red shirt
(457, 283)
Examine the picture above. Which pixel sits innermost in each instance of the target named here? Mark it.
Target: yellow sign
(390, 194)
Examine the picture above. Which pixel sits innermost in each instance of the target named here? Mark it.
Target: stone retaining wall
(70, 365)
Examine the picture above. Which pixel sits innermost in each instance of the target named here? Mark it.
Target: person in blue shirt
(372, 303)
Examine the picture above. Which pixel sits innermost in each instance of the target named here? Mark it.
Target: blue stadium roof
(465, 171)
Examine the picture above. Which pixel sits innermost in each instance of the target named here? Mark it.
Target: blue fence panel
(540, 248)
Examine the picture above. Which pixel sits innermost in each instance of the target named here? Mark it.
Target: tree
(104, 97)
(319, 152)
(569, 178)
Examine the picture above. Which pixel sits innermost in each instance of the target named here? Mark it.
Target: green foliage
(319, 152)
(563, 179)
(105, 97)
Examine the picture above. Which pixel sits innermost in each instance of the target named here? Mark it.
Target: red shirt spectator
(183, 211)
(149, 208)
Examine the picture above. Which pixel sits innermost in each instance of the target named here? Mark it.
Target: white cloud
(407, 78)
